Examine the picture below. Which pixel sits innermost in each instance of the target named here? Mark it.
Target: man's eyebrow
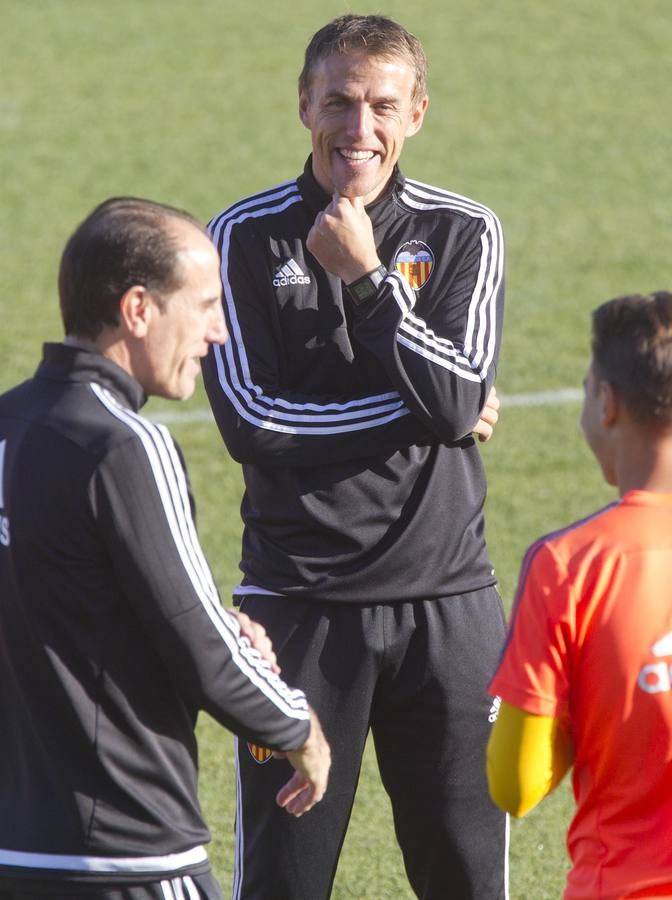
(335, 94)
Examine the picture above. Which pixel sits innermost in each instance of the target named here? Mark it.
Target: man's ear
(136, 309)
(609, 404)
(417, 117)
(304, 103)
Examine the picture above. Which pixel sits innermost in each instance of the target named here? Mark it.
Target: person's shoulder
(125, 443)
(420, 196)
(266, 202)
(13, 395)
(590, 536)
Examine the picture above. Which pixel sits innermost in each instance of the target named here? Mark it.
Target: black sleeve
(261, 421)
(141, 501)
(441, 351)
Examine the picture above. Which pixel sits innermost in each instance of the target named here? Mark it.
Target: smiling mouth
(356, 156)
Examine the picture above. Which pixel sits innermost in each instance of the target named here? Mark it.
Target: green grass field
(554, 114)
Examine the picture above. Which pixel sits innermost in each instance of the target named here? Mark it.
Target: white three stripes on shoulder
(172, 488)
(473, 359)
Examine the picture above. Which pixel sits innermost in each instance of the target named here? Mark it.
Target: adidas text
(290, 272)
(283, 280)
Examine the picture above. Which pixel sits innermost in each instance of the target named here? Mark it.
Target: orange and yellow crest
(260, 754)
(415, 261)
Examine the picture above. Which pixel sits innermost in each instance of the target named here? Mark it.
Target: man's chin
(358, 187)
(187, 392)
(176, 392)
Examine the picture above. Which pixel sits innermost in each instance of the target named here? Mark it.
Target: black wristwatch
(366, 286)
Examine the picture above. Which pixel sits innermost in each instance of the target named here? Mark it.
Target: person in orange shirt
(585, 677)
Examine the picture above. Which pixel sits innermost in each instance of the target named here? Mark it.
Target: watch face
(364, 289)
(367, 286)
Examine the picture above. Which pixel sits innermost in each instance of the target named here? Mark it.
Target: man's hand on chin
(341, 239)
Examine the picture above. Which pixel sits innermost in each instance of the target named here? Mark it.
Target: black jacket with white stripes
(353, 423)
(112, 636)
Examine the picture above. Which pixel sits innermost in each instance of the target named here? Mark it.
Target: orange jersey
(591, 639)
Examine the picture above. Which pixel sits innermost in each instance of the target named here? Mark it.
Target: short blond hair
(376, 36)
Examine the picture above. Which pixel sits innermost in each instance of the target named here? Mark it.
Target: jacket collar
(317, 198)
(61, 362)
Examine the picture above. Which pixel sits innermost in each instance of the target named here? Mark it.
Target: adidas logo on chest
(289, 272)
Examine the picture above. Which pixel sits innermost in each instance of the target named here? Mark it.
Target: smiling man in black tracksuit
(365, 312)
(112, 636)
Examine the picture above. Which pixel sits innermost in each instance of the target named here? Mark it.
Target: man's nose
(360, 121)
(217, 332)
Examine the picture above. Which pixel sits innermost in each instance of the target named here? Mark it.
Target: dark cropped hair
(632, 350)
(377, 36)
(125, 241)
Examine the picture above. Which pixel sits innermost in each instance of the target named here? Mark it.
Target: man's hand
(312, 762)
(342, 239)
(256, 635)
(489, 414)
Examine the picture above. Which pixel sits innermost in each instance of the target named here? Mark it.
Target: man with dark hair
(365, 313)
(112, 636)
(586, 676)
(121, 243)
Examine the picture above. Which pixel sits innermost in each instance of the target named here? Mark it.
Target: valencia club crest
(260, 754)
(415, 261)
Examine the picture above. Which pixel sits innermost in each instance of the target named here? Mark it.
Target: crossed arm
(439, 388)
(342, 240)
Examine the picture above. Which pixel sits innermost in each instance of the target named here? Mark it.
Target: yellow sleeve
(527, 757)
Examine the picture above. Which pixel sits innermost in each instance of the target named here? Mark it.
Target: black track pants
(177, 887)
(416, 674)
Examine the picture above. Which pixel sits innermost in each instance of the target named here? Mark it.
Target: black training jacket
(353, 423)
(112, 636)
